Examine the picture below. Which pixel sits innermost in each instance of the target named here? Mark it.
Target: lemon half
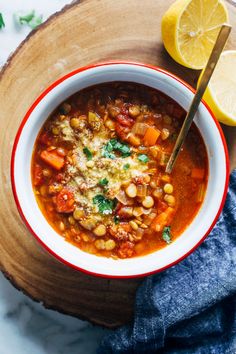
(220, 94)
(190, 29)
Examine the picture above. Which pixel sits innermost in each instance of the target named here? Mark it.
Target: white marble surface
(25, 326)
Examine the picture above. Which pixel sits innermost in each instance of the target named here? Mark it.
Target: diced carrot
(198, 173)
(163, 219)
(52, 159)
(38, 175)
(162, 206)
(151, 136)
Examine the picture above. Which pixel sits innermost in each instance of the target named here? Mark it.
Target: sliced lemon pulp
(190, 29)
(221, 91)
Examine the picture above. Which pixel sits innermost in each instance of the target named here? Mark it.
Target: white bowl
(47, 236)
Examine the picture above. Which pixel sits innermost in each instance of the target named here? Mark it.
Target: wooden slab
(91, 31)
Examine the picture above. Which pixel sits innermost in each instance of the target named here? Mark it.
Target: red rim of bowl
(26, 117)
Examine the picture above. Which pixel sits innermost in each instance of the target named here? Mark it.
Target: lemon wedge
(220, 94)
(190, 29)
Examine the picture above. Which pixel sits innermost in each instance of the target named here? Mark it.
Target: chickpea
(134, 111)
(90, 164)
(170, 199)
(148, 202)
(74, 123)
(168, 188)
(165, 134)
(100, 244)
(134, 225)
(43, 190)
(71, 220)
(110, 245)
(55, 131)
(100, 230)
(110, 124)
(61, 226)
(78, 214)
(47, 172)
(131, 190)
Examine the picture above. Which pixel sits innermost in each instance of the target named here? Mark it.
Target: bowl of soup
(88, 170)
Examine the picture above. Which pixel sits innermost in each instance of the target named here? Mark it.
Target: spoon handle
(210, 67)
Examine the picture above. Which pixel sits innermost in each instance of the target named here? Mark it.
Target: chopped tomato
(59, 177)
(38, 175)
(125, 226)
(53, 159)
(125, 120)
(126, 249)
(64, 201)
(125, 109)
(122, 131)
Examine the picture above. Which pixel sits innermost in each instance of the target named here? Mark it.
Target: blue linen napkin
(191, 307)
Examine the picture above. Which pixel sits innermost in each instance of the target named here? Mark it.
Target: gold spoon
(210, 67)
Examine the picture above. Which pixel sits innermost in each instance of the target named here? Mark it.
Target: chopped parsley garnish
(116, 219)
(166, 234)
(126, 166)
(30, 18)
(105, 206)
(118, 146)
(2, 23)
(88, 153)
(143, 158)
(107, 151)
(103, 182)
(36, 21)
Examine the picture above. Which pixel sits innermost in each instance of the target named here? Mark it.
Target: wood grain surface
(82, 33)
